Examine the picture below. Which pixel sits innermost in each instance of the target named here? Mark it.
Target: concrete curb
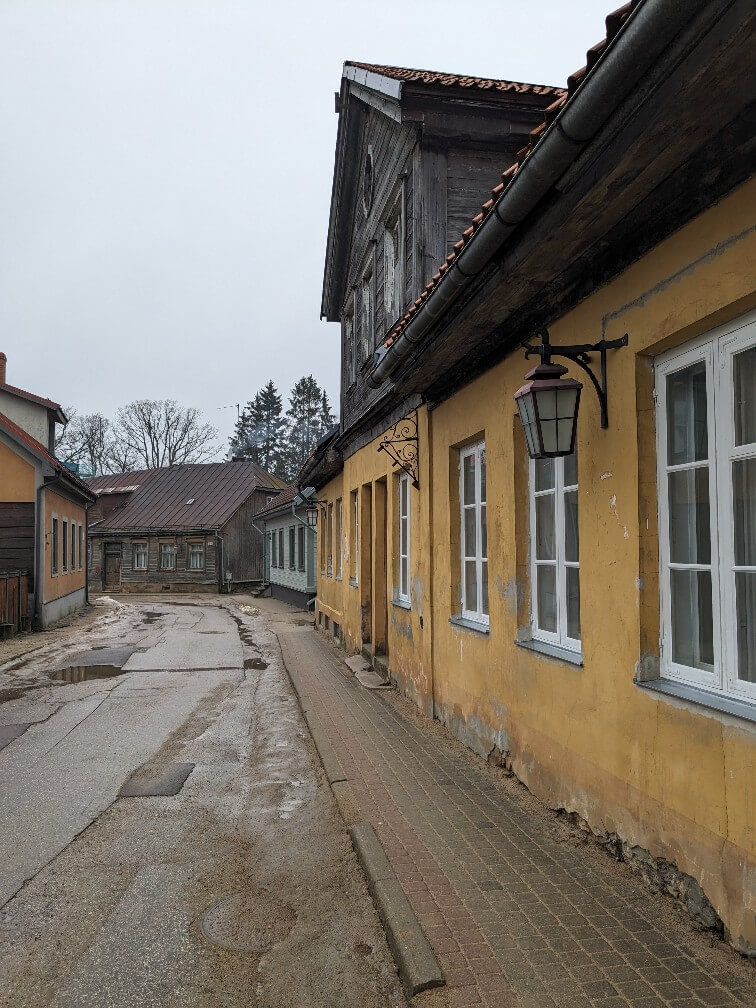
(418, 967)
(416, 963)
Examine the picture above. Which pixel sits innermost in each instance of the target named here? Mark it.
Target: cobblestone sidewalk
(515, 918)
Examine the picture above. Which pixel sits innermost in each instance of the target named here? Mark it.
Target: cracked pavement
(240, 889)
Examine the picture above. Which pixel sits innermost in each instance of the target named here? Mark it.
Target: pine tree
(305, 417)
(260, 432)
(327, 417)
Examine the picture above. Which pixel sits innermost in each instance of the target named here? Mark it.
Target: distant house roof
(37, 449)
(48, 403)
(438, 79)
(189, 496)
(119, 482)
(282, 501)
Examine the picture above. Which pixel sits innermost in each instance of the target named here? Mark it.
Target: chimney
(3, 362)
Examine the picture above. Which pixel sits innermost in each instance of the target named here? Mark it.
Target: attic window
(190, 501)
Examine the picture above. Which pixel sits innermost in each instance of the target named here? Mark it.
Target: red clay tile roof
(30, 395)
(435, 78)
(38, 449)
(201, 496)
(614, 22)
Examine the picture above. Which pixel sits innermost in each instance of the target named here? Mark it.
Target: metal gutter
(640, 41)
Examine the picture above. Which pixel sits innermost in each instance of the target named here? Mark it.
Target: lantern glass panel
(548, 401)
(527, 415)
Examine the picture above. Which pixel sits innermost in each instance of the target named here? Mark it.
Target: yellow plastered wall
(64, 582)
(16, 477)
(672, 778)
(675, 779)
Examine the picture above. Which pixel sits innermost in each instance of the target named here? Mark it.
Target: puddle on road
(152, 617)
(82, 673)
(255, 663)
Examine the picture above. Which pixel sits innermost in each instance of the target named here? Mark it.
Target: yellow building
(589, 618)
(43, 508)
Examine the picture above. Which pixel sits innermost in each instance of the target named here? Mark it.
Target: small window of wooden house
(292, 549)
(81, 546)
(366, 315)
(65, 546)
(196, 556)
(393, 281)
(350, 371)
(140, 556)
(167, 556)
(281, 549)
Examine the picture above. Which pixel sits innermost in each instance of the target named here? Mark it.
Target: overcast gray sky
(165, 177)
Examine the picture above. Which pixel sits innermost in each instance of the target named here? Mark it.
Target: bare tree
(156, 433)
(86, 440)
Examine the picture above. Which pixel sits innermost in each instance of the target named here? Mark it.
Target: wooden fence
(14, 602)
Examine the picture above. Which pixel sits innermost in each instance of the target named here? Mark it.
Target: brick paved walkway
(515, 918)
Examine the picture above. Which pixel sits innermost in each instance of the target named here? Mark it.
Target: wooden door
(112, 570)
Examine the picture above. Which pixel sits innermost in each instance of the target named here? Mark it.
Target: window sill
(468, 624)
(401, 603)
(701, 697)
(551, 651)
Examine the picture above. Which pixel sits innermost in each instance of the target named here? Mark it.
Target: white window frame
(64, 543)
(356, 541)
(403, 590)
(292, 548)
(167, 550)
(338, 545)
(190, 547)
(54, 537)
(367, 313)
(717, 350)
(281, 547)
(135, 547)
(81, 544)
(476, 616)
(274, 548)
(301, 547)
(393, 262)
(561, 637)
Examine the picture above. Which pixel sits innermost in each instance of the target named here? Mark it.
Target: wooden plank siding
(243, 550)
(179, 579)
(17, 539)
(470, 177)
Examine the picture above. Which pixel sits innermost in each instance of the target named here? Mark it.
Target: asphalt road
(166, 835)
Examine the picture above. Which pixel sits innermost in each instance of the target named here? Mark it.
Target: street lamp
(548, 403)
(312, 516)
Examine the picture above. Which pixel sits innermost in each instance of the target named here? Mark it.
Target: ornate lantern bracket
(579, 354)
(400, 444)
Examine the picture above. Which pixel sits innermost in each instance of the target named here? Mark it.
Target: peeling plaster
(512, 593)
(417, 594)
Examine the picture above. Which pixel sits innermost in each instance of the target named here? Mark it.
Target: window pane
(544, 474)
(545, 544)
(573, 602)
(692, 626)
(468, 468)
(744, 504)
(571, 535)
(687, 428)
(404, 576)
(689, 529)
(471, 586)
(483, 474)
(483, 532)
(546, 595)
(403, 535)
(745, 593)
(571, 469)
(744, 381)
(484, 588)
(470, 546)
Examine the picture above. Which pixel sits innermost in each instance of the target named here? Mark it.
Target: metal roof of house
(190, 497)
(37, 449)
(119, 482)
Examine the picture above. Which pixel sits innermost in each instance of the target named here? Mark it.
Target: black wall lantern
(312, 512)
(549, 403)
